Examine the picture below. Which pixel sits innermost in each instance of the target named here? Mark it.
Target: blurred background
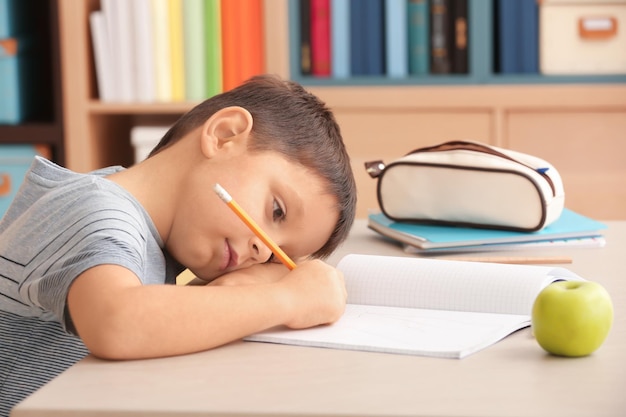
(91, 83)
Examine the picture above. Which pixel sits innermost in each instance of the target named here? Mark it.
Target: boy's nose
(260, 252)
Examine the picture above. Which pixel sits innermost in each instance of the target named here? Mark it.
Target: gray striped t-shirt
(60, 224)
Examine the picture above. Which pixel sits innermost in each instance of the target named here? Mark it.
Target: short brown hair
(292, 121)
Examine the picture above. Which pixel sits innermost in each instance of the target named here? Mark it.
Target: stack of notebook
(571, 229)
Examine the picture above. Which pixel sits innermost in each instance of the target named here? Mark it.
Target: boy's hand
(316, 294)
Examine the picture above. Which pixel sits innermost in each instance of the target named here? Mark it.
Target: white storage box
(582, 37)
(145, 138)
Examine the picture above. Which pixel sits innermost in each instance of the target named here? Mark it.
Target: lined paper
(426, 307)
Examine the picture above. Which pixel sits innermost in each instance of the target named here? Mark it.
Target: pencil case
(470, 184)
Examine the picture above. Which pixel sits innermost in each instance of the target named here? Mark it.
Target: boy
(77, 250)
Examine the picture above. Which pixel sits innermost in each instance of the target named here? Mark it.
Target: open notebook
(426, 307)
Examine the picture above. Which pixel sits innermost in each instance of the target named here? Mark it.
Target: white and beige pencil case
(472, 184)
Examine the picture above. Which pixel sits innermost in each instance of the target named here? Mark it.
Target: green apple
(572, 318)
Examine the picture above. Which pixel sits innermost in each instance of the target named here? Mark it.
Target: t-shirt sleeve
(93, 230)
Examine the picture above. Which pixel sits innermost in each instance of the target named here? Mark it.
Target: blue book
(508, 31)
(419, 37)
(340, 38)
(528, 38)
(357, 42)
(367, 56)
(14, 19)
(396, 39)
(423, 236)
(374, 36)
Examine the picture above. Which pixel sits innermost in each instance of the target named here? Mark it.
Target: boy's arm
(118, 318)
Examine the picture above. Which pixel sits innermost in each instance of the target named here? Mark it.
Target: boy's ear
(228, 127)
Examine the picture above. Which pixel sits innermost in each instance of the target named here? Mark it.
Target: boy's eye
(278, 214)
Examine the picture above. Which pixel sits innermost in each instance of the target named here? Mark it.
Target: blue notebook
(569, 225)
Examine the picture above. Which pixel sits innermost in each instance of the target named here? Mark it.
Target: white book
(145, 72)
(118, 16)
(162, 54)
(105, 76)
(426, 307)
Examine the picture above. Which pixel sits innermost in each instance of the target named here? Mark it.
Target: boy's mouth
(230, 257)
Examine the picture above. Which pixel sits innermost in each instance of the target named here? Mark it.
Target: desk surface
(512, 378)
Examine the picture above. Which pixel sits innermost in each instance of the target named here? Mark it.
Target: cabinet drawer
(591, 156)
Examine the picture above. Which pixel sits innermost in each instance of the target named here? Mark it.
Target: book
(213, 45)
(320, 38)
(574, 242)
(252, 47)
(242, 41)
(518, 36)
(195, 51)
(440, 40)
(15, 18)
(426, 307)
(507, 36)
(304, 14)
(117, 14)
(105, 76)
(340, 38)
(459, 34)
(424, 236)
(177, 49)
(528, 39)
(367, 37)
(162, 50)
(396, 38)
(145, 72)
(419, 37)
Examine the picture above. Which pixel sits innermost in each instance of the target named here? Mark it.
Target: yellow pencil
(276, 250)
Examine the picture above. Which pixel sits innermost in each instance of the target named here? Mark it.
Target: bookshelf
(481, 61)
(576, 123)
(46, 125)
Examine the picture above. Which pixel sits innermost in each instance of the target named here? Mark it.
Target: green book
(213, 45)
(195, 50)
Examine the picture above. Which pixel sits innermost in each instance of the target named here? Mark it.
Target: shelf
(577, 122)
(35, 133)
(103, 108)
(476, 97)
(481, 60)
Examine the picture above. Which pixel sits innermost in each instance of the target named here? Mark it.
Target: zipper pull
(374, 168)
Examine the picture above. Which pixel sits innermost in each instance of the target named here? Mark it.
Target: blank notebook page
(445, 285)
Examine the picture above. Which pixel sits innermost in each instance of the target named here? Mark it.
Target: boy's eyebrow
(256, 229)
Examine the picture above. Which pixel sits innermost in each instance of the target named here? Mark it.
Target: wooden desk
(512, 378)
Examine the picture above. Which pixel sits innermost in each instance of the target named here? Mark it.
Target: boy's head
(292, 122)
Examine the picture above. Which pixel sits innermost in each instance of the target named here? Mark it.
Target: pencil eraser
(222, 193)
